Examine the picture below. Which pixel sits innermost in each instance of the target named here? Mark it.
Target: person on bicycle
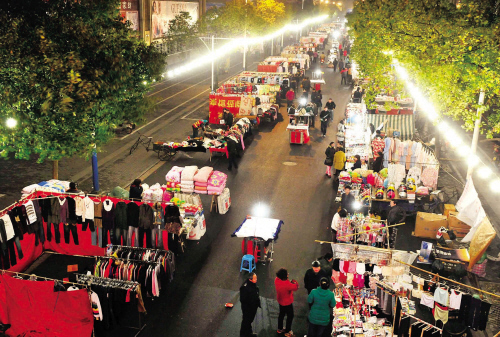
(200, 124)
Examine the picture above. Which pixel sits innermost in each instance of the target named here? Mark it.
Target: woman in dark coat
(330, 152)
(136, 190)
(378, 163)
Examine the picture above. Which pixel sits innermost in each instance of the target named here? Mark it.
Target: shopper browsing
(342, 213)
(330, 153)
(290, 96)
(338, 162)
(250, 302)
(347, 201)
(322, 300)
(313, 276)
(135, 192)
(284, 293)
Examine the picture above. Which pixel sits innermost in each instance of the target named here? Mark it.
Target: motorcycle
(125, 127)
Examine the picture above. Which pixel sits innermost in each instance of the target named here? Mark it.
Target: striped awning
(401, 123)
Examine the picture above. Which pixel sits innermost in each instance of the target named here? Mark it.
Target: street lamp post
(475, 136)
(212, 83)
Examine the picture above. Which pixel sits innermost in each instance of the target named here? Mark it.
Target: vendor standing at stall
(347, 201)
(228, 119)
(200, 124)
(396, 215)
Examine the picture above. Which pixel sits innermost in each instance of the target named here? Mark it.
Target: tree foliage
(237, 16)
(70, 70)
(181, 31)
(451, 52)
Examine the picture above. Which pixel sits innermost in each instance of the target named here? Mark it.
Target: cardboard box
(427, 224)
(449, 208)
(460, 228)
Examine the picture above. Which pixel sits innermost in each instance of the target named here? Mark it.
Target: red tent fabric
(35, 309)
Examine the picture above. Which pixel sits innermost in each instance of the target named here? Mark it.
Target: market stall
(259, 235)
(298, 126)
(282, 64)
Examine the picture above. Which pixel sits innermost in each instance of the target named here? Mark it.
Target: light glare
(11, 123)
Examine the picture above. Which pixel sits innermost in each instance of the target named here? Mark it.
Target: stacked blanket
(187, 179)
(201, 179)
(216, 182)
(173, 179)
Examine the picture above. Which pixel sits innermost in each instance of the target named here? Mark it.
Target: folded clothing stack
(187, 179)
(201, 179)
(174, 177)
(216, 182)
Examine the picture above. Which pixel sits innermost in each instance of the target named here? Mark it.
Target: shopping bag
(224, 201)
(194, 233)
(202, 225)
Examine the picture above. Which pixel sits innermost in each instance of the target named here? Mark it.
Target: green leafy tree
(70, 71)
(451, 51)
(272, 12)
(181, 31)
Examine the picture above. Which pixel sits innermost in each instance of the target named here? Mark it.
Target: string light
(236, 43)
(453, 138)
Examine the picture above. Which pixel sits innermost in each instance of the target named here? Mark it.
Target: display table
(220, 150)
(299, 134)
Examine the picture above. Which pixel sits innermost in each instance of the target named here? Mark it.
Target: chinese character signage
(129, 10)
(164, 11)
(218, 103)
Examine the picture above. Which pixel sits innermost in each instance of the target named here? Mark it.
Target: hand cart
(165, 151)
(259, 235)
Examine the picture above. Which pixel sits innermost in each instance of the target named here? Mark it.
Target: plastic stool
(250, 260)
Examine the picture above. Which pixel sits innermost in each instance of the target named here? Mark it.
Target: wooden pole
(449, 280)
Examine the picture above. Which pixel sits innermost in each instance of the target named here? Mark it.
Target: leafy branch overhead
(70, 71)
(452, 52)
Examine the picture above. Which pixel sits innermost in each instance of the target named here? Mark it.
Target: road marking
(289, 163)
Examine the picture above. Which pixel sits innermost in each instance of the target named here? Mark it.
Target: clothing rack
(108, 281)
(3, 271)
(124, 260)
(139, 248)
(449, 280)
(421, 321)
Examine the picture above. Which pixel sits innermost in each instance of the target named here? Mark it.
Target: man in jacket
(326, 262)
(228, 119)
(290, 96)
(250, 302)
(396, 215)
(330, 105)
(232, 153)
(324, 117)
(343, 74)
(284, 294)
(306, 84)
(200, 124)
(347, 201)
(335, 62)
(312, 277)
(357, 96)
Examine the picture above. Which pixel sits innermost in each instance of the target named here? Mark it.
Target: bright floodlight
(473, 160)
(336, 34)
(484, 172)
(260, 210)
(495, 185)
(303, 101)
(356, 205)
(464, 150)
(318, 72)
(11, 123)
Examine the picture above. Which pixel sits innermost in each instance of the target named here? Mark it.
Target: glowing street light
(11, 123)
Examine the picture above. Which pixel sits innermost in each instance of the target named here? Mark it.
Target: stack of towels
(201, 179)
(173, 178)
(216, 183)
(187, 179)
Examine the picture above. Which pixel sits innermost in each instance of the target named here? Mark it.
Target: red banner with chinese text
(217, 105)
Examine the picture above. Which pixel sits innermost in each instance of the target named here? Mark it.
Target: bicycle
(435, 201)
(142, 140)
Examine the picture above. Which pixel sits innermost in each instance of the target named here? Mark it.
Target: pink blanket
(174, 175)
(217, 179)
(203, 174)
(196, 183)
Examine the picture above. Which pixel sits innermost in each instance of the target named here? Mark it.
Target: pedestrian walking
(250, 302)
(338, 162)
(329, 152)
(306, 84)
(345, 54)
(322, 300)
(290, 96)
(349, 74)
(319, 99)
(305, 95)
(284, 294)
(324, 117)
(322, 57)
(343, 74)
(330, 105)
(341, 64)
(342, 213)
(200, 124)
(232, 153)
(313, 276)
(356, 97)
(335, 63)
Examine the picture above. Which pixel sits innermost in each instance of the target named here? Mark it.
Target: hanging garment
(427, 300)
(441, 296)
(440, 313)
(455, 299)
